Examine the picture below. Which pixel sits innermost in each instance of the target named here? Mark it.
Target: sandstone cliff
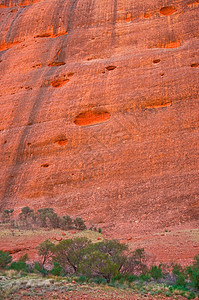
(99, 110)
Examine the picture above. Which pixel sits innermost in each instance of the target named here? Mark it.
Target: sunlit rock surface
(99, 110)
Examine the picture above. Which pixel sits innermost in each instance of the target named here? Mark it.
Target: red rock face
(99, 110)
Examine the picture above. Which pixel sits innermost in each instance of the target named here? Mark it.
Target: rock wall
(99, 110)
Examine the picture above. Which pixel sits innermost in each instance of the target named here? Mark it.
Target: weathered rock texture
(99, 110)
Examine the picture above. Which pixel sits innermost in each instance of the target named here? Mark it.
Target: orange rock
(99, 111)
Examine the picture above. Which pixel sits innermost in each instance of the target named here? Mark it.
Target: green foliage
(40, 268)
(180, 281)
(82, 279)
(193, 272)
(156, 272)
(145, 277)
(177, 269)
(48, 218)
(45, 250)
(19, 266)
(27, 217)
(5, 259)
(96, 263)
(57, 270)
(68, 253)
(79, 224)
(66, 222)
(100, 230)
(114, 249)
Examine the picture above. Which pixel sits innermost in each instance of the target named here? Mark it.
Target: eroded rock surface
(99, 110)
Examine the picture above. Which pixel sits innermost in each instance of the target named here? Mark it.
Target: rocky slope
(99, 110)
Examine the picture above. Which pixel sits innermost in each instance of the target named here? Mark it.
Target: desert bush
(68, 253)
(6, 215)
(193, 272)
(156, 272)
(48, 218)
(45, 251)
(5, 259)
(57, 270)
(79, 224)
(27, 217)
(136, 262)
(114, 249)
(19, 266)
(38, 267)
(97, 264)
(66, 222)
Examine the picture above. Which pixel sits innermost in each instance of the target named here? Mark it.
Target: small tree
(68, 253)
(96, 263)
(45, 250)
(27, 217)
(135, 263)
(6, 215)
(66, 222)
(114, 249)
(48, 218)
(5, 259)
(79, 224)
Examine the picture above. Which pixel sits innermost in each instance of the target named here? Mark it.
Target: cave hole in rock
(110, 68)
(195, 65)
(168, 10)
(28, 144)
(70, 74)
(61, 141)
(43, 35)
(147, 15)
(156, 61)
(5, 142)
(59, 82)
(56, 64)
(45, 165)
(91, 117)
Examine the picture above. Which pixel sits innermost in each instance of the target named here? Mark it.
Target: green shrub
(79, 224)
(180, 281)
(66, 222)
(45, 250)
(40, 268)
(131, 278)
(193, 272)
(82, 279)
(99, 280)
(97, 264)
(156, 272)
(100, 230)
(69, 253)
(145, 277)
(5, 259)
(57, 270)
(19, 266)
